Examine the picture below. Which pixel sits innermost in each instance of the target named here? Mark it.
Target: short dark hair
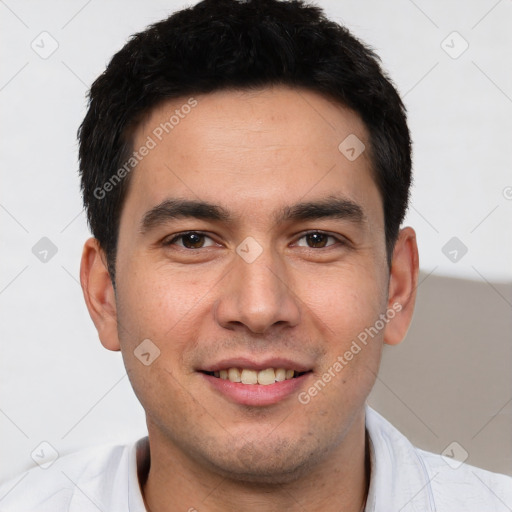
(230, 44)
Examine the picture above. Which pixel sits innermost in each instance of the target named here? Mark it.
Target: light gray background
(448, 381)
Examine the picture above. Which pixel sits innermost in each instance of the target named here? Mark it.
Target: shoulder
(410, 478)
(455, 483)
(73, 482)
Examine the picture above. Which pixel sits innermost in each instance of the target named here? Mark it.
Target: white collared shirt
(403, 479)
(407, 479)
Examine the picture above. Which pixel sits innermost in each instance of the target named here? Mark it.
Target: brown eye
(189, 240)
(193, 240)
(318, 240)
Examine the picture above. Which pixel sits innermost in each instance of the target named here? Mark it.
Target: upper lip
(253, 364)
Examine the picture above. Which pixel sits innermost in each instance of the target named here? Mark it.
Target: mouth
(252, 377)
(245, 382)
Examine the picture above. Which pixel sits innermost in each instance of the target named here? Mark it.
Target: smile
(253, 377)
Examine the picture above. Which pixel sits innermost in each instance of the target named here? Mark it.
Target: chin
(281, 462)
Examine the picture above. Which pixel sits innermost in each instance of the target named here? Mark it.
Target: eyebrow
(330, 207)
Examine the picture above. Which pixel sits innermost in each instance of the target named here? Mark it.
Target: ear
(403, 282)
(99, 293)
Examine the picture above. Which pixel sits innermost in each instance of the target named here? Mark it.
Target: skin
(253, 153)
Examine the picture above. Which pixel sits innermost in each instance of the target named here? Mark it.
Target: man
(246, 168)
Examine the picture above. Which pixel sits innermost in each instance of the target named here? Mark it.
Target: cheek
(146, 299)
(346, 300)
(162, 306)
(347, 306)
(162, 310)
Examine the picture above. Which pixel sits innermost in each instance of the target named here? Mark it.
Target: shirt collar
(139, 467)
(399, 480)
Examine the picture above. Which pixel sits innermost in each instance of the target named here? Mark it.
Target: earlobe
(403, 282)
(99, 293)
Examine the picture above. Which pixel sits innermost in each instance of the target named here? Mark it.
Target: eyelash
(172, 241)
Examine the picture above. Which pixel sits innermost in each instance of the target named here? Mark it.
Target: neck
(175, 482)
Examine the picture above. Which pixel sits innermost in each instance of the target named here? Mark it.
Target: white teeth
(234, 375)
(262, 377)
(266, 377)
(249, 377)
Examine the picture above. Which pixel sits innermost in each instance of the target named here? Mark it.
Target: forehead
(252, 151)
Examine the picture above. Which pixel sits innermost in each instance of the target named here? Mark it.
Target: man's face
(251, 289)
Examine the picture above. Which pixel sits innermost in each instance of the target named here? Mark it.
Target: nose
(257, 296)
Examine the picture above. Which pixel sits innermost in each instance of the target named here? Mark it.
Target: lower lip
(256, 394)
